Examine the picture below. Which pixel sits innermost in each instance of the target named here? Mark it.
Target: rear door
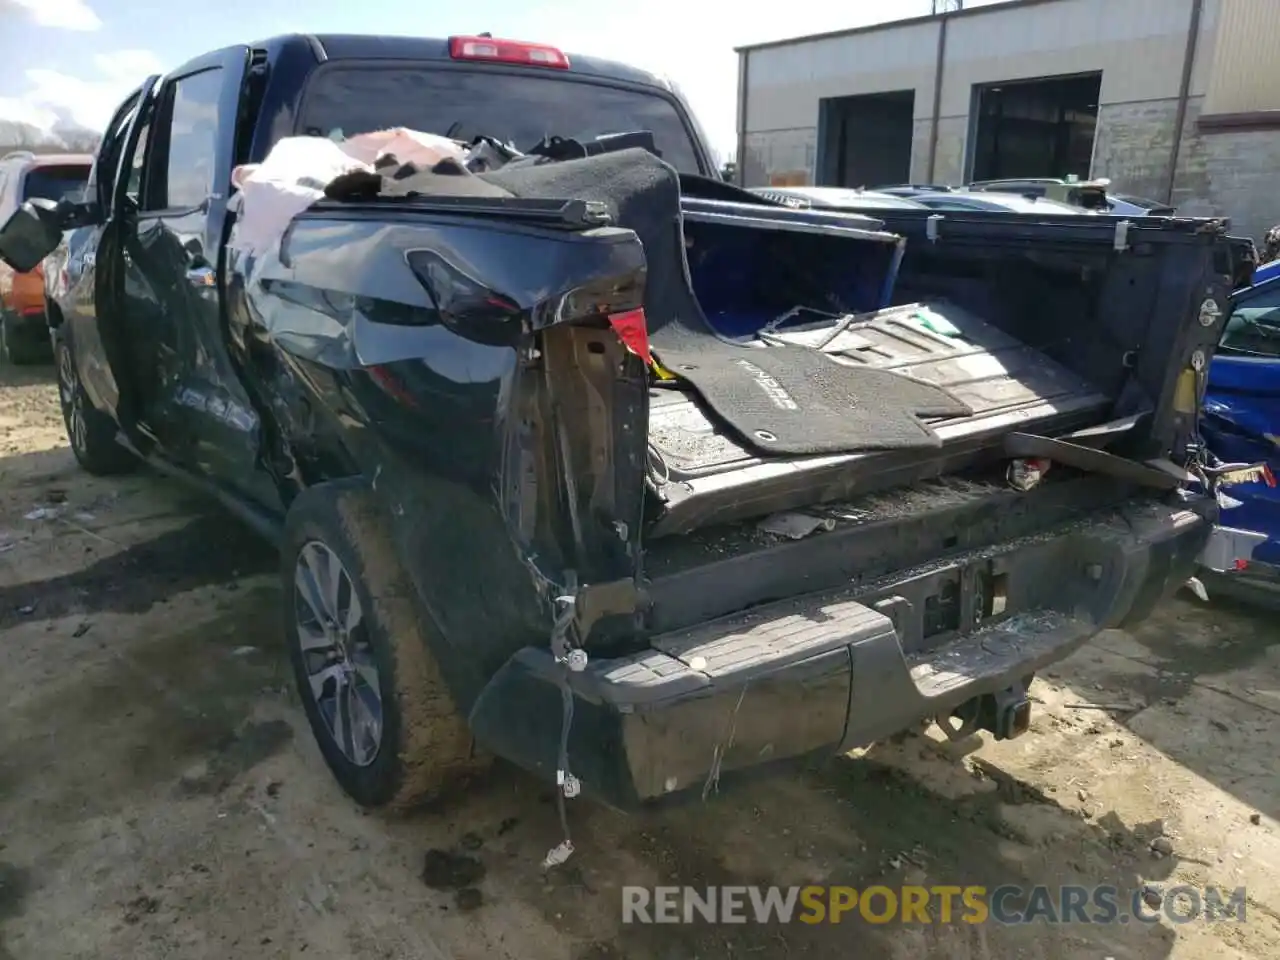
(91, 273)
(200, 411)
(1242, 408)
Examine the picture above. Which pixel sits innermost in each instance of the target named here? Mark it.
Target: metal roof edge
(891, 25)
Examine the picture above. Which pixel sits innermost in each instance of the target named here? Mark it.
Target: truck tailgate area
(828, 671)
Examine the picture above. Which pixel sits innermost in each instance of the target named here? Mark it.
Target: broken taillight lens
(391, 384)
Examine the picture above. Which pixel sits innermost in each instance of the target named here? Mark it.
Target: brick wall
(1235, 174)
(780, 158)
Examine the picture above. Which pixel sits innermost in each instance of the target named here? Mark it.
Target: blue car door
(1241, 422)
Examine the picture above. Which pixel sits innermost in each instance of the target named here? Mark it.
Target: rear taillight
(507, 51)
(391, 384)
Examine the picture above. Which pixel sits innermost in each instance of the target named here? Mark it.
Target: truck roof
(355, 46)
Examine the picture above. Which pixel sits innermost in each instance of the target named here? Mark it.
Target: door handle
(201, 276)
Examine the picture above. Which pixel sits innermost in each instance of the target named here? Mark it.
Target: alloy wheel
(71, 398)
(337, 654)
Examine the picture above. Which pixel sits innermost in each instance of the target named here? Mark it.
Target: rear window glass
(54, 183)
(518, 109)
(1254, 325)
(1140, 202)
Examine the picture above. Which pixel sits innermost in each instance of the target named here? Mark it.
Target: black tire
(91, 433)
(425, 746)
(20, 351)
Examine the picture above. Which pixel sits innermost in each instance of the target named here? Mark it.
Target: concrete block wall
(953, 134)
(781, 156)
(1220, 174)
(1235, 174)
(1132, 145)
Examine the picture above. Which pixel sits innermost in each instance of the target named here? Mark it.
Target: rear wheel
(91, 432)
(374, 696)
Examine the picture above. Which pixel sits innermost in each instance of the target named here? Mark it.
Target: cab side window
(136, 164)
(1254, 325)
(132, 166)
(186, 139)
(103, 173)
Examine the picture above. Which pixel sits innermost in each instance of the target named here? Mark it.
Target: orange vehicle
(24, 335)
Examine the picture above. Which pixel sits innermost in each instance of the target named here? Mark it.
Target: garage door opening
(1035, 128)
(865, 140)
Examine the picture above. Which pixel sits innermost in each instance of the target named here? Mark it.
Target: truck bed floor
(1004, 381)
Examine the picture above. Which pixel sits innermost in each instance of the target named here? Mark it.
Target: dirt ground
(161, 796)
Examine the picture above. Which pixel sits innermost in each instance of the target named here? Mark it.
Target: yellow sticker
(662, 372)
(1184, 394)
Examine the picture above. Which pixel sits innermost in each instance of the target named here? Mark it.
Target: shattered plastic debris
(1196, 587)
(1026, 474)
(557, 855)
(796, 525)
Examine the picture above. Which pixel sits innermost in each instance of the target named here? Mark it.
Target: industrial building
(1031, 88)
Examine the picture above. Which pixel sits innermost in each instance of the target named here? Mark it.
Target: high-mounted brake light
(507, 51)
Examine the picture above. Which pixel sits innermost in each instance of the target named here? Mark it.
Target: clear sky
(76, 59)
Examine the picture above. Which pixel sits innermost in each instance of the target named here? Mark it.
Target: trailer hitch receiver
(1007, 714)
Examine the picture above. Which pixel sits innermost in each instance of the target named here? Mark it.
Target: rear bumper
(821, 674)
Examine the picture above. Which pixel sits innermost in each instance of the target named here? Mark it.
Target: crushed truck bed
(1008, 384)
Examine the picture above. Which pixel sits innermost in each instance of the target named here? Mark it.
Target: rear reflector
(507, 51)
(633, 330)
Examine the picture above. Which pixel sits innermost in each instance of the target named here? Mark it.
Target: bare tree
(15, 135)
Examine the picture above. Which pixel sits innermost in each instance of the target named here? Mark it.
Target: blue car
(1241, 422)
(1266, 271)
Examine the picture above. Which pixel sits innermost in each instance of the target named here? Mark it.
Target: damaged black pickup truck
(596, 463)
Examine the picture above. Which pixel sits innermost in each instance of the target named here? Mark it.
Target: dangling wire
(564, 784)
(659, 471)
(569, 660)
